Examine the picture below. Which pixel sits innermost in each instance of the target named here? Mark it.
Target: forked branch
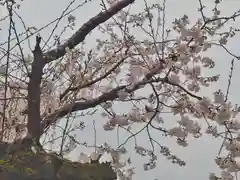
(40, 60)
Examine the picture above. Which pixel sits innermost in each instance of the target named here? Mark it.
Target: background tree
(165, 71)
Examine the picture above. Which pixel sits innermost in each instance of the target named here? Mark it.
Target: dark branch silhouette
(80, 35)
(34, 91)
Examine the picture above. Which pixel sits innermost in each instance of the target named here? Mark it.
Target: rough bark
(34, 91)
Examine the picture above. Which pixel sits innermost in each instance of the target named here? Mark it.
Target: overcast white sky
(200, 153)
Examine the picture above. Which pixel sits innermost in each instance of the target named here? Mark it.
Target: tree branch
(81, 33)
(87, 84)
(34, 91)
(40, 59)
(109, 96)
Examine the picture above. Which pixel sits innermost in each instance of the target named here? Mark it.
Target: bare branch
(80, 35)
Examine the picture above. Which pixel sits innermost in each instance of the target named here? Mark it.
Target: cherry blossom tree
(153, 75)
